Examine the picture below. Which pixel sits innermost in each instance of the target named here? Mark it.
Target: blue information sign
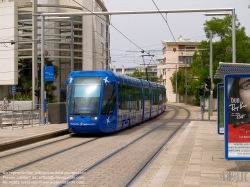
(49, 73)
(13, 89)
(237, 121)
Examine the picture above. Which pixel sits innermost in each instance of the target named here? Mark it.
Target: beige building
(90, 39)
(177, 55)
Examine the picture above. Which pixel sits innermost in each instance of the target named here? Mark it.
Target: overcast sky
(147, 31)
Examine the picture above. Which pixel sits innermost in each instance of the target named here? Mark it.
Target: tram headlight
(71, 118)
(94, 118)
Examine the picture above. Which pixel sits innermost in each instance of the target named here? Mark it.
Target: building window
(190, 48)
(189, 59)
(102, 65)
(102, 30)
(185, 59)
(102, 49)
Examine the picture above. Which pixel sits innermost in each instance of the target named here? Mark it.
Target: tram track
(33, 148)
(18, 153)
(82, 172)
(141, 171)
(149, 128)
(42, 158)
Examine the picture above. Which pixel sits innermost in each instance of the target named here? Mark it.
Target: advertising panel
(220, 104)
(237, 113)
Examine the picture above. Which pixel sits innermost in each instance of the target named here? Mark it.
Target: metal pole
(13, 101)
(42, 69)
(203, 107)
(211, 77)
(72, 45)
(233, 36)
(176, 84)
(135, 12)
(34, 54)
(185, 82)
(203, 97)
(145, 66)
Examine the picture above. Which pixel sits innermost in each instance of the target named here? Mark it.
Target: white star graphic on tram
(108, 121)
(106, 80)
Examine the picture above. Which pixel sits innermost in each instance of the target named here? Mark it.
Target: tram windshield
(85, 96)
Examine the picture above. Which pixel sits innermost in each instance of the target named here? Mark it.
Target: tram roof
(126, 79)
(226, 68)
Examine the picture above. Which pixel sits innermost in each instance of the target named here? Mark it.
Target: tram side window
(126, 97)
(146, 95)
(163, 91)
(134, 98)
(120, 96)
(138, 98)
(160, 96)
(109, 99)
(164, 96)
(154, 96)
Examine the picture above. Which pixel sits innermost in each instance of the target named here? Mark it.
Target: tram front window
(85, 96)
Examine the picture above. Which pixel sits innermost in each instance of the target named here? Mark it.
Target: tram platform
(194, 157)
(11, 138)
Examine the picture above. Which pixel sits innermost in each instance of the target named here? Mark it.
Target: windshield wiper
(74, 104)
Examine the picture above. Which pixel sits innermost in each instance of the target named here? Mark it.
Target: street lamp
(145, 12)
(211, 55)
(42, 58)
(71, 37)
(213, 10)
(233, 29)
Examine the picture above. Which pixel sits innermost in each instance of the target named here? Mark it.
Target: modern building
(20, 39)
(177, 55)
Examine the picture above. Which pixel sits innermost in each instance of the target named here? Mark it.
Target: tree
(221, 28)
(49, 87)
(138, 74)
(25, 79)
(142, 75)
(181, 82)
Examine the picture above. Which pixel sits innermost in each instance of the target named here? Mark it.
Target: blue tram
(104, 101)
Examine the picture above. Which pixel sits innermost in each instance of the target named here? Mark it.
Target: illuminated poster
(237, 113)
(220, 111)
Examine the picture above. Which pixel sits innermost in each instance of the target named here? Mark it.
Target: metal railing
(20, 118)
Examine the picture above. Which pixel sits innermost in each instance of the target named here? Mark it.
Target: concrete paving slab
(10, 138)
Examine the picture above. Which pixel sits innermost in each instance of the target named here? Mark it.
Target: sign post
(220, 108)
(202, 106)
(45, 108)
(48, 77)
(13, 93)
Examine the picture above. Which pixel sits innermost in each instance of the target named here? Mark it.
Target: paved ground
(10, 138)
(194, 157)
